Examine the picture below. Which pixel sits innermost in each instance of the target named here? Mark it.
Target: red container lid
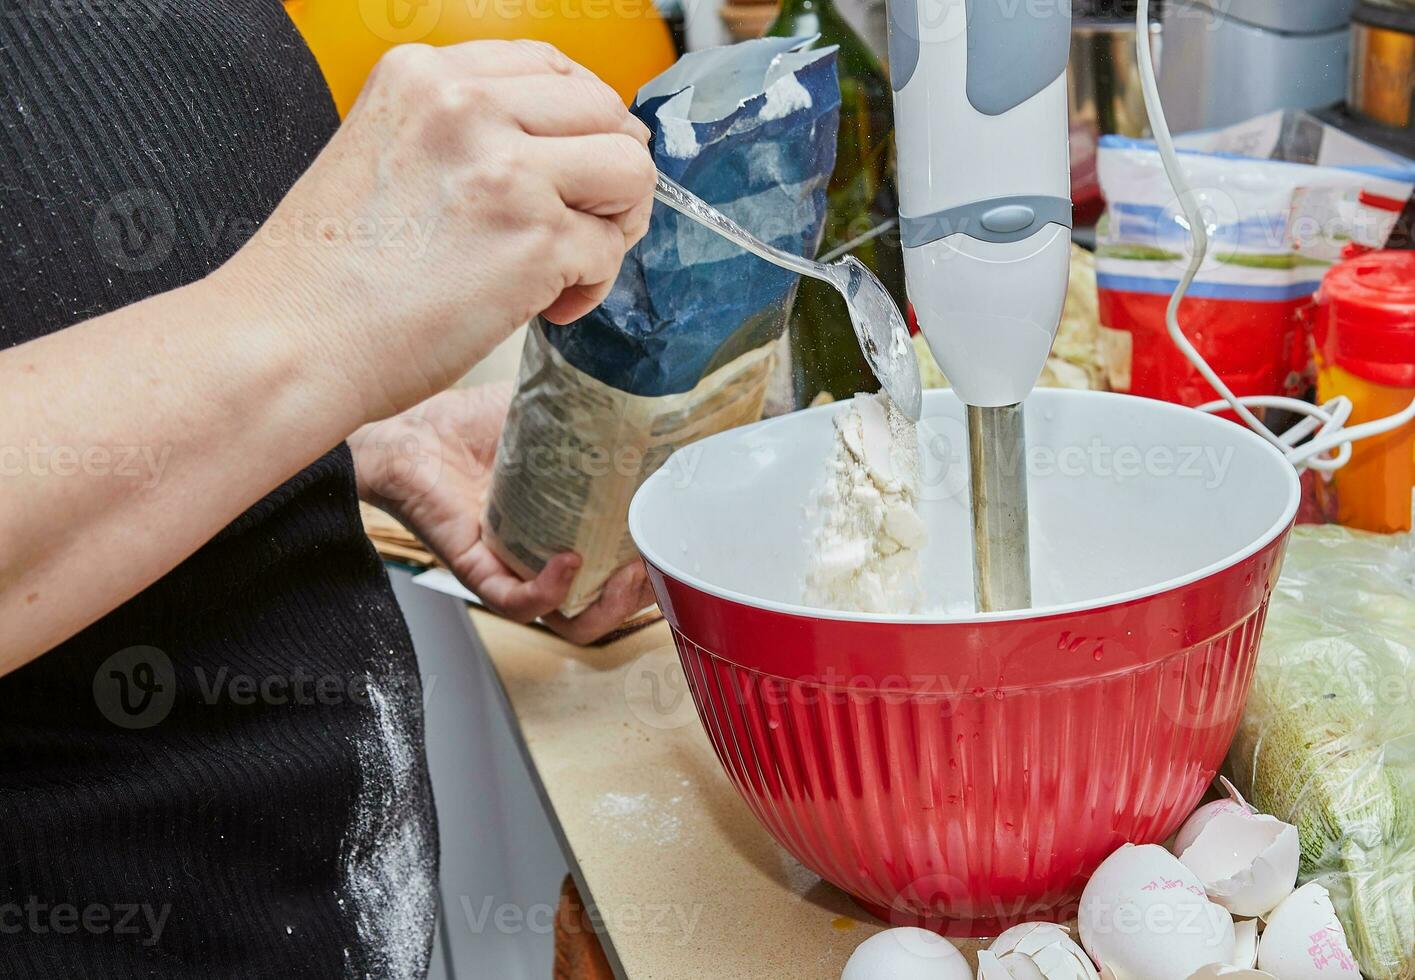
(1366, 317)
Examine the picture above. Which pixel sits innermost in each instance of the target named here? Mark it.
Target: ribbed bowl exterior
(963, 776)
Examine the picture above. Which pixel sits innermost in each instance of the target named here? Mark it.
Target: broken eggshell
(1199, 819)
(1247, 861)
(1048, 946)
(1145, 916)
(1304, 940)
(1245, 939)
(1013, 966)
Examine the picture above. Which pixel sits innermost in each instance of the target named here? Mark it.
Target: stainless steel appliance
(1229, 60)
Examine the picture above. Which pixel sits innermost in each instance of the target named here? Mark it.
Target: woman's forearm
(128, 441)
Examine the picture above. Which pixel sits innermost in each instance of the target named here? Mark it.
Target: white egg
(1013, 966)
(1048, 946)
(1145, 916)
(1245, 944)
(906, 954)
(1247, 861)
(1304, 940)
(1200, 818)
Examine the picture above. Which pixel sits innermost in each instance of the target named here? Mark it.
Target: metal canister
(1382, 86)
(1105, 99)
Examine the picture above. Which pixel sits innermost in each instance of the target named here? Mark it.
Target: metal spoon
(879, 327)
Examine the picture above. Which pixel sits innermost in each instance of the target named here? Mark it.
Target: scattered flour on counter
(612, 806)
(639, 819)
(865, 554)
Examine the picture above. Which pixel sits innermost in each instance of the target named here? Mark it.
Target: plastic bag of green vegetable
(1328, 740)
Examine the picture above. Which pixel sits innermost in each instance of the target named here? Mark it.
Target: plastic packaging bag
(682, 346)
(1328, 739)
(1285, 195)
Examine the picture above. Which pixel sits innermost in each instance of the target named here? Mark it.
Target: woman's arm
(128, 441)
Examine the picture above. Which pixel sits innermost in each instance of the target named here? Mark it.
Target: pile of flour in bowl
(868, 533)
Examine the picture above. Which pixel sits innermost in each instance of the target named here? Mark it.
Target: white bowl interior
(1129, 497)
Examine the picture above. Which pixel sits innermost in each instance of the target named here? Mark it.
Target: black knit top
(224, 777)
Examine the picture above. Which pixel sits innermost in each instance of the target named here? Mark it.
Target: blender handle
(687, 203)
(984, 185)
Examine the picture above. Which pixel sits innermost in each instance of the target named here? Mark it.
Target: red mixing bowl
(966, 772)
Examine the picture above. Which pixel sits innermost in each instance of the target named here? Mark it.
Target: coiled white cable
(1329, 445)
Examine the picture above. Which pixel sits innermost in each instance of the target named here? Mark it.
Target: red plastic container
(1365, 350)
(966, 773)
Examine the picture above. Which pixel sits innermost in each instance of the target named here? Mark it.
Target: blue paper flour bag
(683, 345)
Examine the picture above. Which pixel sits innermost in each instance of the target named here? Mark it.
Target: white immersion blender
(980, 121)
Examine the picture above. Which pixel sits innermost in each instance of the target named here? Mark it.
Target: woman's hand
(471, 188)
(430, 467)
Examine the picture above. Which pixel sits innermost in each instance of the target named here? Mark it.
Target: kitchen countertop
(685, 881)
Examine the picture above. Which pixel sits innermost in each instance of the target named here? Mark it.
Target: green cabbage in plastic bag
(1328, 739)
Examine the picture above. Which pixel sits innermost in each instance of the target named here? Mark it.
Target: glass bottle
(861, 200)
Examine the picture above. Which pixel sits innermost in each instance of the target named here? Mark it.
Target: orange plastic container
(624, 42)
(1365, 348)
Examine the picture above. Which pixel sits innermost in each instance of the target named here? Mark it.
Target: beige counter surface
(687, 884)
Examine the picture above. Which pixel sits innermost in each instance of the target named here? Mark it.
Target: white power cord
(1325, 424)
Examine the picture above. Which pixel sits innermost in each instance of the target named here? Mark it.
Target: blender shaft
(997, 449)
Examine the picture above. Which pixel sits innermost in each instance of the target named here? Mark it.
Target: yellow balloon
(624, 42)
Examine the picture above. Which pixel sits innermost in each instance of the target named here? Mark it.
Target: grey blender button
(1010, 218)
(1002, 219)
